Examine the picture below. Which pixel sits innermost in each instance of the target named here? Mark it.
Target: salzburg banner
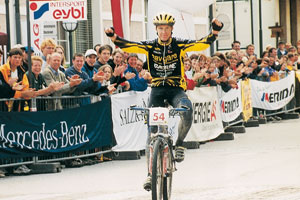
(273, 95)
(128, 125)
(230, 103)
(24, 134)
(207, 122)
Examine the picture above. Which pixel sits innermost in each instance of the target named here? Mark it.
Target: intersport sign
(58, 10)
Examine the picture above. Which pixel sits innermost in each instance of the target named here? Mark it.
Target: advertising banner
(129, 125)
(207, 122)
(246, 99)
(273, 95)
(230, 103)
(24, 134)
(58, 10)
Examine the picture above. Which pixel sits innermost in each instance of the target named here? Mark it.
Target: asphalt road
(263, 163)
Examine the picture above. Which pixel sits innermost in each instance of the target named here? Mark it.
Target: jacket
(165, 60)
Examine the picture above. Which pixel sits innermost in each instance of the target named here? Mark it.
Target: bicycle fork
(165, 159)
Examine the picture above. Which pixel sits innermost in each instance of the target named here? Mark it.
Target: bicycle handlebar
(183, 109)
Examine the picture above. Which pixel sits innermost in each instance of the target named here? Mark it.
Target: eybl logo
(39, 13)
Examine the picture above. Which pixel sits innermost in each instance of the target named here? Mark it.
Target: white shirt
(14, 74)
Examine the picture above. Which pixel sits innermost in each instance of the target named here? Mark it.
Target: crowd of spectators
(103, 69)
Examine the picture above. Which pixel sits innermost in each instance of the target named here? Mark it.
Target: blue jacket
(87, 84)
(89, 70)
(136, 83)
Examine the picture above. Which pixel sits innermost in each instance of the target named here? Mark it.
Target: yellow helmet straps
(164, 19)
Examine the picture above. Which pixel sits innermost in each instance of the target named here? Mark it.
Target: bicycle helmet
(164, 19)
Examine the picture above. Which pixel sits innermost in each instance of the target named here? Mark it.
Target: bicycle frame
(161, 158)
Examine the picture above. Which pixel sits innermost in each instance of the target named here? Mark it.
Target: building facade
(245, 20)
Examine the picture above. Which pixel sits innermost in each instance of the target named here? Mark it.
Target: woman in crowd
(60, 49)
(37, 82)
(117, 58)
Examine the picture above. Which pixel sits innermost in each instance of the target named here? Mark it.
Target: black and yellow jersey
(165, 60)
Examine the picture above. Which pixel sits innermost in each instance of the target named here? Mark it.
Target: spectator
(265, 54)
(87, 85)
(90, 59)
(53, 74)
(139, 65)
(287, 45)
(119, 77)
(25, 57)
(236, 45)
(291, 62)
(250, 50)
(188, 68)
(194, 59)
(281, 49)
(14, 82)
(47, 47)
(266, 71)
(136, 83)
(211, 75)
(97, 47)
(104, 55)
(255, 70)
(60, 49)
(283, 72)
(126, 57)
(36, 80)
(292, 49)
(198, 73)
(274, 63)
(273, 52)
(117, 58)
(232, 54)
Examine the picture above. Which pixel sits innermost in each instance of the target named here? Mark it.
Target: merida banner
(273, 95)
(207, 122)
(230, 103)
(25, 134)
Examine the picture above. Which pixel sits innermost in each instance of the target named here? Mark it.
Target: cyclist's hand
(216, 26)
(110, 32)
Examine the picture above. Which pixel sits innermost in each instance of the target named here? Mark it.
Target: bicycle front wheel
(167, 180)
(157, 170)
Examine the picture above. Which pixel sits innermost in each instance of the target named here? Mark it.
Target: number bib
(158, 116)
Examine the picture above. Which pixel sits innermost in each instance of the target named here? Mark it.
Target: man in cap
(90, 59)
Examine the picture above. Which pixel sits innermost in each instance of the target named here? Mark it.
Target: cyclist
(165, 57)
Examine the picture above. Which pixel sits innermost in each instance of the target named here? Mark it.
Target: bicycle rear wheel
(157, 171)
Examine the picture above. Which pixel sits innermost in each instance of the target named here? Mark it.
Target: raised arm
(127, 46)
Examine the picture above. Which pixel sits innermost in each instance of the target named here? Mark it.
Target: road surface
(263, 163)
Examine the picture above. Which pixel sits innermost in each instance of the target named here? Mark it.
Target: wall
(270, 15)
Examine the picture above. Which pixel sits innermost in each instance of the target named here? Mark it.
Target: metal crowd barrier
(67, 102)
(49, 104)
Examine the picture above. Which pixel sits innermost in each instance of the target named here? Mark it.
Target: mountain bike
(161, 158)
